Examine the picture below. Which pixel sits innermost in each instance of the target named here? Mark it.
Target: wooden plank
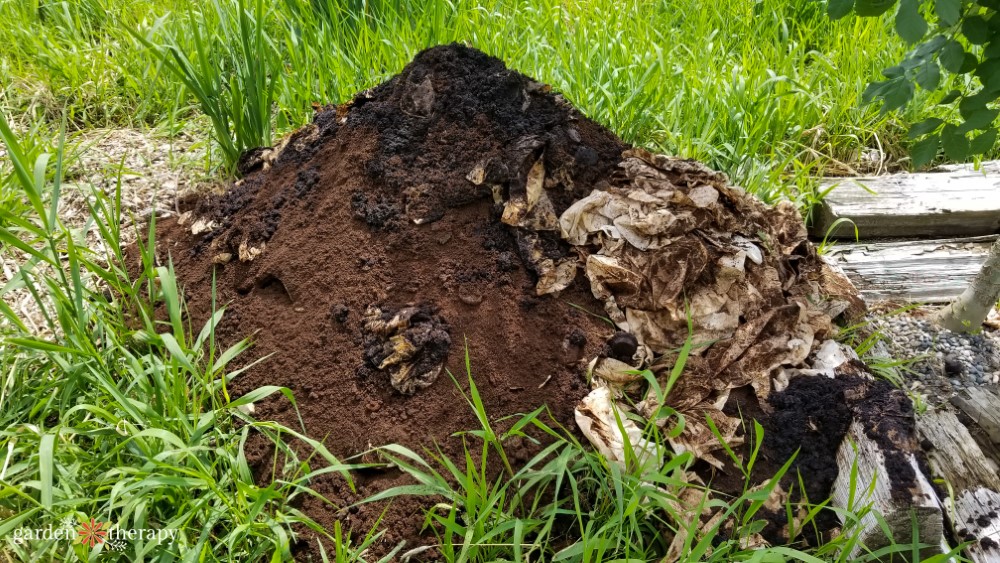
(864, 480)
(974, 485)
(982, 406)
(927, 271)
(957, 202)
(987, 166)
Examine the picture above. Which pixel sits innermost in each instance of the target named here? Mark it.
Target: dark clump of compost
(366, 256)
(808, 421)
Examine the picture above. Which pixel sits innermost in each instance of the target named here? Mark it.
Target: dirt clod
(622, 346)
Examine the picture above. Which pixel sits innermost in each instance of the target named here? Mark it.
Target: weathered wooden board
(974, 485)
(987, 166)
(982, 406)
(957, 202)
(928, 271)
(864, 480)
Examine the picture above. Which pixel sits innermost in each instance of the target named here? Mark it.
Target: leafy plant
(957, 38)
(233, 74)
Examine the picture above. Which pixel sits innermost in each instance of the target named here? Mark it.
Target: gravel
(939, 358)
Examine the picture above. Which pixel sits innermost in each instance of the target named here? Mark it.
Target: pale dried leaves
(675, 252)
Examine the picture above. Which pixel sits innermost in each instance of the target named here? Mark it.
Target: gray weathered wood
(970, 309)
(982, 406)
(957, 202)
(872, 486)
(972, 480)
(928, 271)
(987, 166)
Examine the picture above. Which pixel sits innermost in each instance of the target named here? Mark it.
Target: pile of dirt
(462, 206)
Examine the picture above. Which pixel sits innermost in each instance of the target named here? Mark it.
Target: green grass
(766, 90)
(569, 503)
(120, 417)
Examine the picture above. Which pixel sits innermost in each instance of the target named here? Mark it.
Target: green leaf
(898, 93)
(987, 69)
(988, 72)
(924, 151)
(948, 11)
(969, 64)
(950, 97)
(984, 142)
(955, 143)
(929, 75)
(992, 51)
(46, 449)
(952, 56)
(839, 8)
(979, 119)
(894, 71)
(910, 25)
(874, 90)
(924, 127)
(971, 104)
(872, 8)
(929, 47)
(976, 30)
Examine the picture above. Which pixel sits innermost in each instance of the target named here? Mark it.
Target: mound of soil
(329, 222)
(365, 259)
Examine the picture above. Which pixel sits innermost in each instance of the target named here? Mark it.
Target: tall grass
(569, 503)
(766, 90)
(232, 73)
(118, 414)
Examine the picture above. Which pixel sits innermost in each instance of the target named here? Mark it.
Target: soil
(365, 264)
(332, 213)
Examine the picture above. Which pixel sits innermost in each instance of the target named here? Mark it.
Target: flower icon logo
(92, 533)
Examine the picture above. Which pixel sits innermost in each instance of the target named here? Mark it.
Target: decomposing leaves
(677, 253)
(411, 344)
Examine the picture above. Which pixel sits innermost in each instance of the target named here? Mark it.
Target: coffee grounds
(330, 220)
(370, 211)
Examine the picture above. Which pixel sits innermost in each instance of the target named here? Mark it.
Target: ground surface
(937, 362)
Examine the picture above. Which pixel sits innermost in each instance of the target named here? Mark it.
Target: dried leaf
(203, 225)
(248, 253)
(602, 422)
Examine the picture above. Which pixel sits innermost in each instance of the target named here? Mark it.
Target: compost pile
(462, 207)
